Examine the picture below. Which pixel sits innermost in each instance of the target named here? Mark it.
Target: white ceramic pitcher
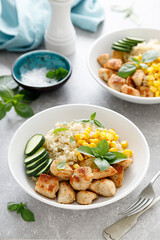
(60, 35)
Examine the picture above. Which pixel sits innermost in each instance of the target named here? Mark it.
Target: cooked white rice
(59, 145)
(153, 44)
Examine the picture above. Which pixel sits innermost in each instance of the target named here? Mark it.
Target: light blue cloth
(23, 22)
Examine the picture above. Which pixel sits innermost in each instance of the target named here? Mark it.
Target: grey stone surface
(59, 224)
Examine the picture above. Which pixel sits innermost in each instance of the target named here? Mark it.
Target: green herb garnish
(10, 99)
(58, 74)
(61, 165)
(103, 158)
(71, 139)
(26, 214)
(91, 120)
(59, 130)
(129, 68)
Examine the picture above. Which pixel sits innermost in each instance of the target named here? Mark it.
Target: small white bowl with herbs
(27, 163)
(127, 64)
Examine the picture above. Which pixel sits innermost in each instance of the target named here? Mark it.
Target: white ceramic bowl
(45, 120)
(103, 45)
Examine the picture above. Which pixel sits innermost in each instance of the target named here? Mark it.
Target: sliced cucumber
(132, 44)
(34, 144)
(136, 40)
(33, 172)
(37, 162)
(121, 49)
(37, 155)
(46, 168)
(121, 45)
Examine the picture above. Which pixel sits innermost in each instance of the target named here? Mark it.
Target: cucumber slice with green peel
(46, 168)
(136, 40)
(37, 162)
(37, 155)
(120, 49)
(33, 172)
(132, 44)
(121, 45)
(33, 144)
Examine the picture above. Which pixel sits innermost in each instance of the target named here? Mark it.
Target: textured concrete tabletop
(59, 224)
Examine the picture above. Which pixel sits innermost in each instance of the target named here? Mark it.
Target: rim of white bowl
(141, 100)
(80, 207)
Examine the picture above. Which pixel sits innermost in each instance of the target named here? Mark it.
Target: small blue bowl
(39, 59)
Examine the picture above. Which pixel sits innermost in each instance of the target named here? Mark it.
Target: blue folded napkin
(23, 22)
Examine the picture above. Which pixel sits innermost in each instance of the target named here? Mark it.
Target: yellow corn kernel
(80, 157)
(96, 141)
(86, 134)
(157, 94)
(113, 150)
(92, 145)
(116, 137)
(75, 166)
(85, 144)
(112, 132)
(153, 89)
(95, 135)
(105, 130)
(113, 144)
(88, 129)
(128, 153)
(110, 137)
(78, 137)
(124, 144)
(80, 142)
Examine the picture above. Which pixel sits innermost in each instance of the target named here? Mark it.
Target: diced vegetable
(34, 144)
(37, 162)
(46, 168)
(37, 155)
(126, 44)
(33, 172)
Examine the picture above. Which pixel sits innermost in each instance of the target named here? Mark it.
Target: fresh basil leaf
(127, 70)
(17, 98)
(135, 60)
(82, 120)
(85, 150)
(101, 164)
(98, 124)
(71, 139)
(93, 116)
(27, 215)
(2, 111)
(103, 147)
(119, 157)
(61, 165)
(95, 152)
(23, 110)
(150, 56)
(12, 206)
(8, 106)
(29, 96)
(61, 73)
(6, 93)
(143, 65)
(9, 81)
(50, 74)
(109, 156)
(59, 130)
